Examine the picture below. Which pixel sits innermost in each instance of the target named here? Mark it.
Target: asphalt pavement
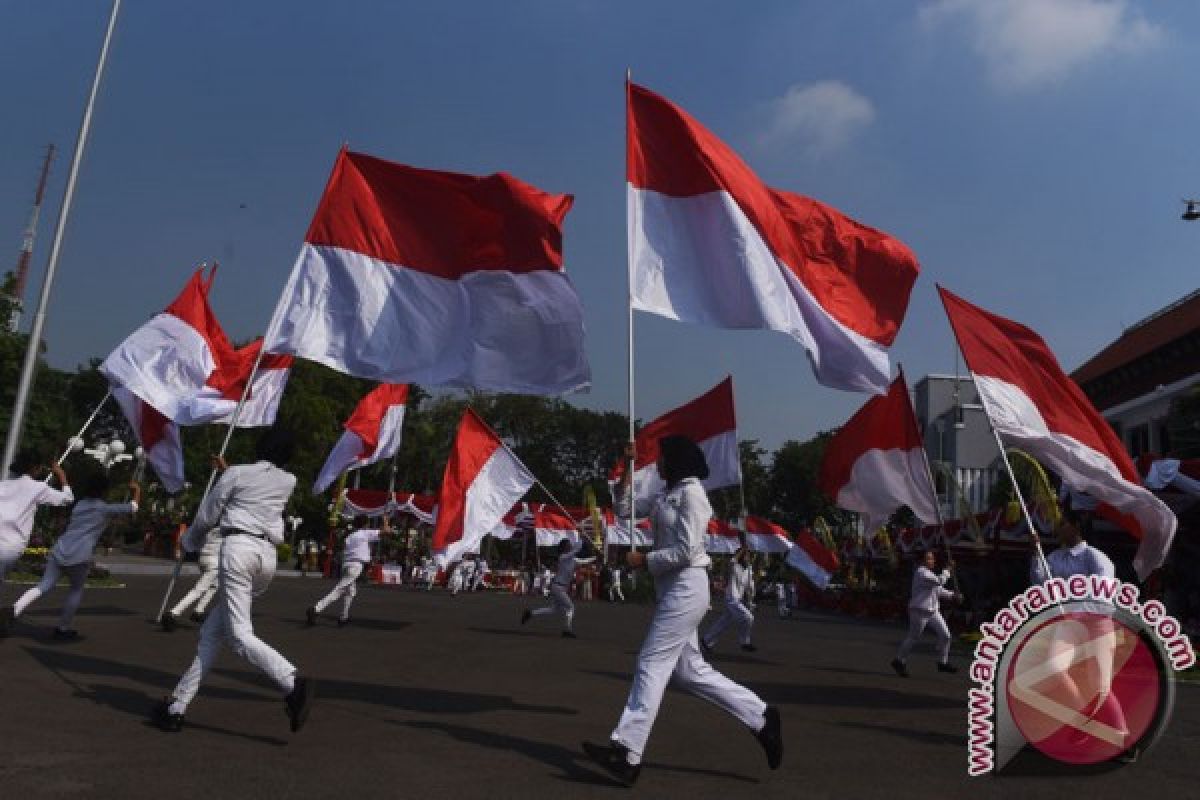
(428, 695)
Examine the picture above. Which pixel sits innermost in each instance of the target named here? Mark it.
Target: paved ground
(428, 695)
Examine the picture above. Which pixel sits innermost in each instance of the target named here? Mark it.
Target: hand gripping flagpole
(25, 385)
(212, 478)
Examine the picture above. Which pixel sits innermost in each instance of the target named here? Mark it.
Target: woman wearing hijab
(679, 517)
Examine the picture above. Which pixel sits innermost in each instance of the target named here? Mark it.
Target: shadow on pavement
(413, 698)
(368, 624)
(1029, 763)
(931, 737)
(573, 764)
(540, 634)
(87, 611)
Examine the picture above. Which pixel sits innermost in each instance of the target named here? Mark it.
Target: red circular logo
(1083, 688)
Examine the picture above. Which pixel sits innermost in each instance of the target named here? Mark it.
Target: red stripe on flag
(710, 414)
(473, 446)
(885, 422)
(441, 223)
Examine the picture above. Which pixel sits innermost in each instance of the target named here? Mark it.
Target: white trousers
(917, 622)
(9, 556)
(204, 590)
(672, 651)
(735, 613)
(346, 588)
(559, 601)
(76, 574)
(614, 591)
(247, 565)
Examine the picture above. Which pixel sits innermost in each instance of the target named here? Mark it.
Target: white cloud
(1029, 43)
(819, 117)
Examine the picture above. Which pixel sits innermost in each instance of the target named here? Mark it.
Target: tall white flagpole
(39, 317)
(629, 351)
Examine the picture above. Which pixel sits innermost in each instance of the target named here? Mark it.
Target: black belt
(239, 532)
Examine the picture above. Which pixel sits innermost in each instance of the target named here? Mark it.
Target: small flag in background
(482, 482)
(372, 433)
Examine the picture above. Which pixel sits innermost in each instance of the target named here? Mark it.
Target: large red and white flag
(217, 400)
(372, 433)
(168, 360)
(710, 243)
(710, 422)
(158, 436)
(1035, 406)
(816, 561)
(876, 462)
(414, 276)
(482, 482)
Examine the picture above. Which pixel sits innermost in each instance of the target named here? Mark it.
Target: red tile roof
(1160, 328)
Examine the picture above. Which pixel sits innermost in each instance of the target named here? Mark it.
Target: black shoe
(300, 701)
(946, 666)
(343, 623)
(310, 616)
(749, 648)
(569, 635)
(526, 615)
(197, 618)
(7, 618)
(900, 667)
(612, 757)
(771, 737)
(161, 716)
(168, 621)
(65, 634)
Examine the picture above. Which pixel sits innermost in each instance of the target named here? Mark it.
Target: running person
(356, 555)
(739, 594)
(560, 588)
(19, 498)
(679, 518)
(928, 588)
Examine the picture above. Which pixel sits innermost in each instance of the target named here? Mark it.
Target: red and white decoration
(710, 422)
(549, 524)
(158, 436)
(811, 558)
(482, 482)
(710, 243)
(762, 536)
(876, 462)
(616, 531)
(1036, 407)
(376, 503)
(372, 433)
(415, 276)
(169, 359)
(218, 398)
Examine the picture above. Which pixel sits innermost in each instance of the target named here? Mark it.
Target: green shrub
(283, 552)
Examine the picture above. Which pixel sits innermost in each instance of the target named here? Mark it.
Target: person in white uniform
(19, 498)
(71, 555)
(614, 584)
(928, 590)
(246, 505)
(205, 589)
(560, 588)
(481, 570)
(356, 555)
(679, 517)
(739, 595)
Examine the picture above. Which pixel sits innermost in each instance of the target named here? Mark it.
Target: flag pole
(212, 478)
(28, 368)
(629, 350)
(83, 429)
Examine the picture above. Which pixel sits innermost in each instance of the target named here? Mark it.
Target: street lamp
(1191, 213)
(109, 453)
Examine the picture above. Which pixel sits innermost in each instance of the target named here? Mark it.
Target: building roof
(1160, 328)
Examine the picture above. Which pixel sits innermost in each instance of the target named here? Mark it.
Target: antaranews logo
(1077, 667)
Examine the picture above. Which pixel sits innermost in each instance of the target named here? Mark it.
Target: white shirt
(1082, 559)
(247, 497)
(928, 589)
(358, 545)
(19, 499)
(738, 583)
(567, 562)
(89, 518)
(679, 518)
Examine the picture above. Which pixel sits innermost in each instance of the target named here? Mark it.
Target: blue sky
(1031, 152)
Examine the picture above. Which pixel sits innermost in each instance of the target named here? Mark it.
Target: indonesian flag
(218, 398)
(710, 422)
(1036, 407)
(616, 531)
(158, 436)
(168, 360)
(710, 243)
(482, 482)
(372, 433)
(876, 462)
(816, 561)
(764, 536)
(414, 276)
